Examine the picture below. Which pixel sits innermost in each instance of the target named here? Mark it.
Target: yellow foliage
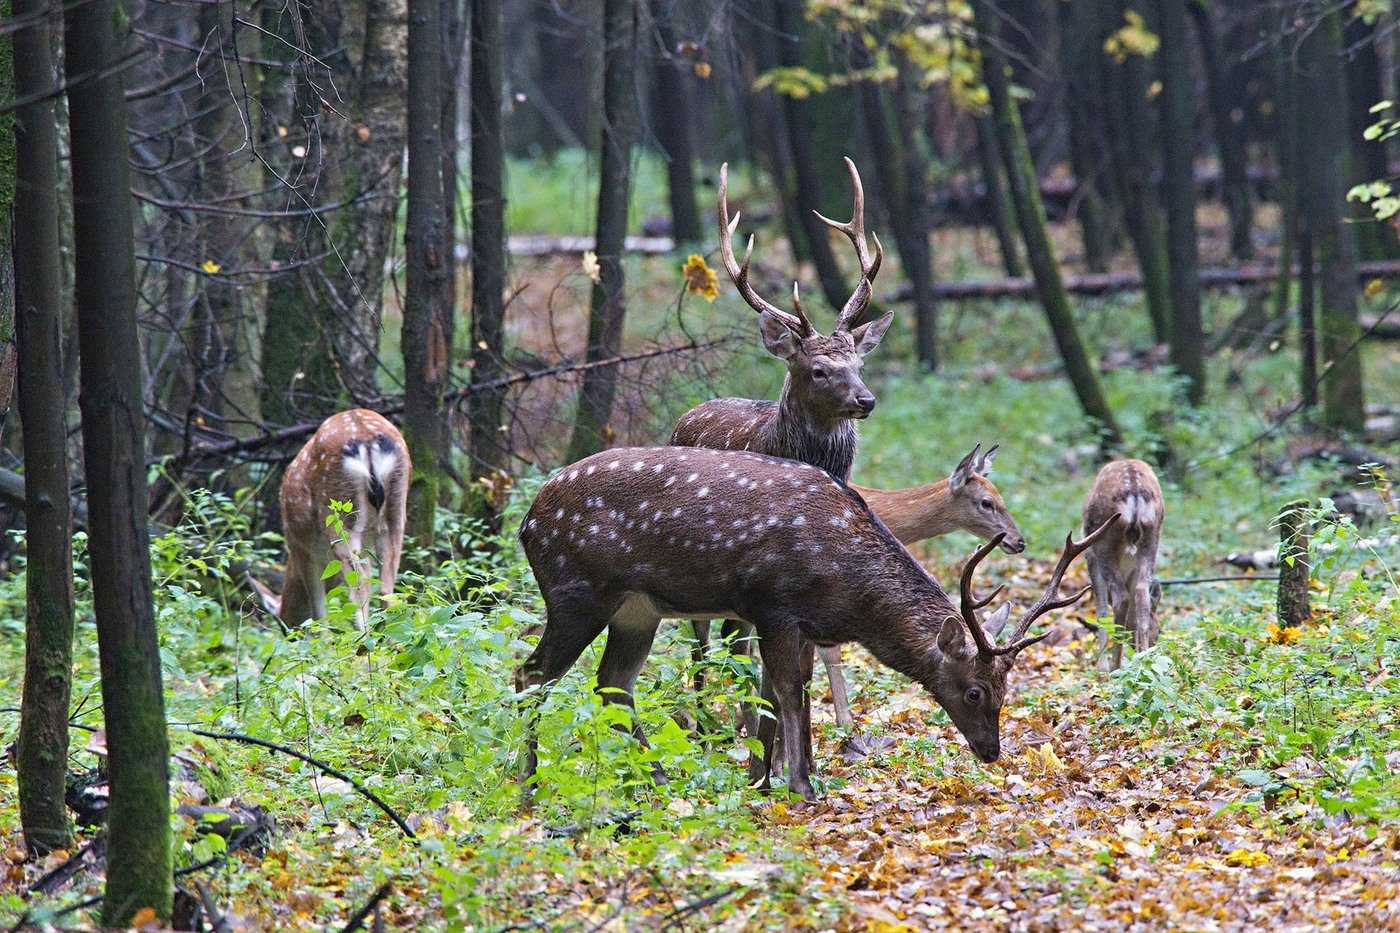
(1247, 858)
(700, 279)
(1284, 636)
(1132, 38)
(210, 266)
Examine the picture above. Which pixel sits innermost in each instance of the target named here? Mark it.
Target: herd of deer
(748, 516)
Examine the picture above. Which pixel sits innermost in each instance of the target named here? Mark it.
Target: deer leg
(808, 658)
(1122, 618)
(1098, 578)
(568, 630)
(391, 527)
(700, 629)
(297, 604)
(761, 766)
(781, 661)
(835, 674)
(741, 642)
(630, 635)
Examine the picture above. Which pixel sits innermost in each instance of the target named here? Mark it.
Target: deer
(823, 395)
(355, 456)
(627, 537)
(1122, 564)
(965, 501)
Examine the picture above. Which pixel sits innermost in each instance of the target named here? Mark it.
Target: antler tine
(1050, 600)
(797, 306)
(869, 265)
(740, 273)
(971, 603)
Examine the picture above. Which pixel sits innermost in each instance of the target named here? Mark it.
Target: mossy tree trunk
(8, 350)
(673, 114)
(425, 347)
(1370, 159)
(998, 203)
(1030, 212)
(1178, 157)
(114, 453)
(42, 749)
(607, 307)
(1080, 51)
(1324, 170)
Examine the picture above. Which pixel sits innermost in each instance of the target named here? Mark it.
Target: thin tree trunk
(607, 307)
(42, 752)
(1025, 190)
(1130, 137)
(114, 432)
(1295, 565)
(489, 454)
(674, 113)
(425, 349)
(1084, 103)
(998, 203)
(1307, 318)
(1324, 169)
(8, 350)
(1370, 160)
(1178, 158)
(453, 47)
(1286, 152)
(808, 194)
(1230, 144)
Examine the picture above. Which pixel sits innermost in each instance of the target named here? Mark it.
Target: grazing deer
(965, 501)
(627, 537)
(823, 394)
(355, 456)
(1122, 564)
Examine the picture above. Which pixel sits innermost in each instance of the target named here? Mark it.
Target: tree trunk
(1286, 152)
(453, 48)
(1295, 565)
(1370, 160)
(1084, 103)
(1324, 169)
(1178, 158)
(425, 349)
(490, 455)
(899, 176)
(1030, 211)
(1307, 318)
(1130, 137)
(608, 306)
(674, 112)
(808, 192)
(8, 350)
(1229, 140)
(998, 203)
(114, 451)
(42, 752)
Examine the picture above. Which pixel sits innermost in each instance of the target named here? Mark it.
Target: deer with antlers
(627, 537)
(813, 420)
(355, 456)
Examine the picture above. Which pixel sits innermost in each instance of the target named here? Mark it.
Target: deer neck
(898, 620)
(798, 434)
(925, 512)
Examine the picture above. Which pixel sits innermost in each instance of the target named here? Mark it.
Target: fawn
(627, 537)
(1123, 562)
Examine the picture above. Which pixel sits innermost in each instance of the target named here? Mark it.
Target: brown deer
(965, 501)
(627, 537)
(355, 456)
(813, 420)
(1122, 564)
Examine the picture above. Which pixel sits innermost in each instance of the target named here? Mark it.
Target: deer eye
(818, 372)
(973, 696)
(987, 504)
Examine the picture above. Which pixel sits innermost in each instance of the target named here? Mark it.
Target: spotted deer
(1122, 564)
(813, 420)
(965, 501)
(627, 537)
(355, 456)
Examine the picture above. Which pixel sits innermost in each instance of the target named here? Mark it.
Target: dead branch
(357, 920)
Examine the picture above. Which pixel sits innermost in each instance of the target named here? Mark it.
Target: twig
(217, 921)
(1187, 581)
(680, 913)
(357, 920)
(333, 772)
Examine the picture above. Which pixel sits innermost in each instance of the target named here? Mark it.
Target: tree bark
(1079, 44)
(42, 750)
(808, 191)
(1324, 169)
(1286, 152)
(489, 454)
(998, 203)
(1370, 159)
(1130, 138)
(114, 432)
(1295, 566)
(1178, 158)
(425, 349)
(1030, 211)
(1307, 318)
(607, 307)
(1229, 139)
(453, 47)
(674, 112)
(8, 350)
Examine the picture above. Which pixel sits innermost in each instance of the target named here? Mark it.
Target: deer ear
(868, 336)
(777, 338)
(951, 637)
(985, 466)
(271, 602)
(964, 469)
(997, 621)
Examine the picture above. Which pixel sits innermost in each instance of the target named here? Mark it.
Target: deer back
(1129, 489)
(355, 456)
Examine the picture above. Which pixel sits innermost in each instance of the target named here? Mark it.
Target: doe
(1122, 564)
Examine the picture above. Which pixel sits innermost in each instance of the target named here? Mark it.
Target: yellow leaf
(145, 917)
(591, 267)
(210, 266)
(700, 279)
(702, 69)
(1247, 858)
(1374, 288)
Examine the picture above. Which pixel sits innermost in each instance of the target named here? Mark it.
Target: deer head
(823, 369)
(970, 681)
(976, 504)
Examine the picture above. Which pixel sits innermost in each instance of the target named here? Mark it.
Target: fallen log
(1111, 282)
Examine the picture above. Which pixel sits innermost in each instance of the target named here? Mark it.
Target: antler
(1048, 601)
(797, 323)
(869, 266)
